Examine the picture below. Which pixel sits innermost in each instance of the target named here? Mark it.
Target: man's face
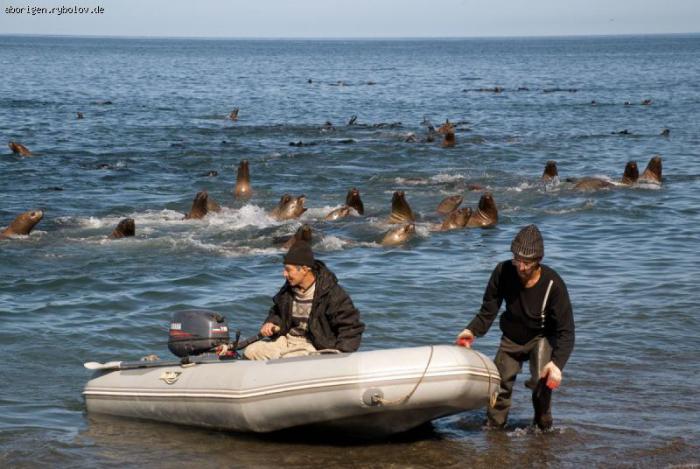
(295, 274)
(525, 267)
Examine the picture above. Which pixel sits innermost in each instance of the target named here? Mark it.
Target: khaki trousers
(509, 361)
(285, 346)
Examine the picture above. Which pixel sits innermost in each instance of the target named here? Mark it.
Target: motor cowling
(197, 331)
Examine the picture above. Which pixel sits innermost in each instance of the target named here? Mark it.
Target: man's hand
(269, 329)
(465, 338)
(553, 375)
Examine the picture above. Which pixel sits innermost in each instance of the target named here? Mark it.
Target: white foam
(333, 243)
(443, 178)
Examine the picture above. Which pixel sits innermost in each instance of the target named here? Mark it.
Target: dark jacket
(334, 322)
(522, 321)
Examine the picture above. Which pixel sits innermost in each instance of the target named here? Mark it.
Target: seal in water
(486, 214)
(400, 210)
(446, 128)
(289, 207)
(550, 171)
(353, 200)
(201, 205)
(338, 213)
(234, 114)
(631, 174)
(652, 173)
(125, 228)
(592, 184)
(19, 149)
(302, 234)
(449, 140)
(23, 224)
(242, 189)
(456, 219)
(449, 204)
(399, 235)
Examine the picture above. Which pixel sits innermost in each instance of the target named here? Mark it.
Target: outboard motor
(196, 331)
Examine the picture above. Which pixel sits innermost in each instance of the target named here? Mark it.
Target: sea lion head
(653, 171)
(125, 228)
(24, 223)
(289, 207)
(448, 204)
(338, 213)
(353, 200)
(19, 149)
(242, 188)
(199, 206)
(486, 215)
(456, 219)
(446, 128)
(234, 114)
(449, 140)
(400, 210)
(631, 173)
(399, 235)
(302, 234)
(550, 170)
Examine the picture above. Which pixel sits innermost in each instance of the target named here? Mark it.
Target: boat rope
(494, 396)
(313, 352)
(377, 399)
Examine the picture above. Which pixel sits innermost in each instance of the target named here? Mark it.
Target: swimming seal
(446, 128)
(19, 149)
(486, 214)
(353, 200)
(124, 229)
(338, 213)
(456, 219)
(400, 210)
(201, 205)
(302, 234)
(449, 140)
(234, 114)
(631, 174)
(449, 204)
(289, 207)
(652, 173)
(23, 224)
(550, 171)
(242, 189)
(592, 184)
(398, 235)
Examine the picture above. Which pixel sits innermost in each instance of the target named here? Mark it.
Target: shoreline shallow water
(69, 295)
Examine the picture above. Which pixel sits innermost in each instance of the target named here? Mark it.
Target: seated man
(310, 312)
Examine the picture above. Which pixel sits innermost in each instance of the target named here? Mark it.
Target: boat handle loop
(377, 399)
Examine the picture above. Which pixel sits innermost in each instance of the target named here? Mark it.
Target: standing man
(310, 312)
(537, 325)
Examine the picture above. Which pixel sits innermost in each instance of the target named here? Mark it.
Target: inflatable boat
(364, 394)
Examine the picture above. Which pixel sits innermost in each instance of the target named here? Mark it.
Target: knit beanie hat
(528, 243)
(300, 254)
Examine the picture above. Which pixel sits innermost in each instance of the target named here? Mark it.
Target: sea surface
(155, 123)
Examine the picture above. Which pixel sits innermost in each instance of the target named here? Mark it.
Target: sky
(350, 18)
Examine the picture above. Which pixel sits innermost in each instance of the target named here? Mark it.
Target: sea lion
(201, 205)
(23, 224)
(456, 219)
(592, 184)
(302, 234)
(234, 114)
(446, 128)
(125, 228)
(665, 132)
(353, 200)
(242, 189)
(449, 140)
(289, 207)
(18, 148)
(646, 102)
(486, 214)
(652, 173)
(398, 235)
(338, 213)
(449, 204)
(400, 210)
(550, 171)
(352, 120)
(327, 127)
(79, 115)
(631, 174)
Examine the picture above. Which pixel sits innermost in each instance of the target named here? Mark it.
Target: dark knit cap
(300, 254)
(528, 243)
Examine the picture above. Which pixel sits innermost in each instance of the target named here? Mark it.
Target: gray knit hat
(528, 243)
(300, 254)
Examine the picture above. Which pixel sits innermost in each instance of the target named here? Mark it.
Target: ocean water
(68, 294)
